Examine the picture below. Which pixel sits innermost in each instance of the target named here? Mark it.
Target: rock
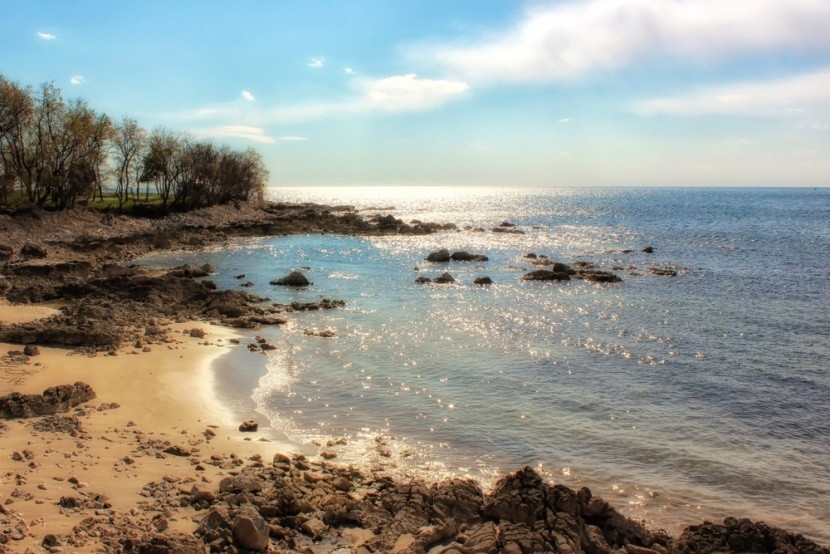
(545, 275)
(423, 280)
(176, 450)
(462, 256)
(598, 276)
(199, 493)
(197, 333)
(507, 230)
(504, 224)
(445, 278)
(31, 250)
(53, 400)
(6, 251)
(249, 529)
(648, 250)
(483, 281)
(556, 267)
(293, 279)
(31, 350)
(167, 543)
(661, 271)
(248, 426)
(439, 256)
(315, 528)
(742, 535)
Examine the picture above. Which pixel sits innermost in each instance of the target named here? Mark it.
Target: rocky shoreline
(221, 502)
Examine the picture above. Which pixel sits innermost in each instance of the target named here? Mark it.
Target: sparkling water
(676, 398)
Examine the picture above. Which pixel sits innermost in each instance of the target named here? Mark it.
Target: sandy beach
(141, 399)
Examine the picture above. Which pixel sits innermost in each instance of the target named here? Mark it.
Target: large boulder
(439, 256)
(462, 256)
(250, 530)
(293, 279)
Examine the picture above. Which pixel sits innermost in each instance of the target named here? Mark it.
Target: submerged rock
(293, 279)
(483, 281)
(546, 275)
(445, 278)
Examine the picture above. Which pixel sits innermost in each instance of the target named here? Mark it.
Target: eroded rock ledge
(294, 504)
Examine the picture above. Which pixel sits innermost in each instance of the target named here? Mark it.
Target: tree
(162, 163)
(16, 113)
(129, 143)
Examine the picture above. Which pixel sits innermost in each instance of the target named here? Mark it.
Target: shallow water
(676, 398)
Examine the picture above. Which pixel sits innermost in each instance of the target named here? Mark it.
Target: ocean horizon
(693, 394)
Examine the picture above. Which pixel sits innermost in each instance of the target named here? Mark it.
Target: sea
(677, 398)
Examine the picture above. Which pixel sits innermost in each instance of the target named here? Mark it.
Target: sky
(461, 92)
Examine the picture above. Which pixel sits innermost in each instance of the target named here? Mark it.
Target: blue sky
(482, 92)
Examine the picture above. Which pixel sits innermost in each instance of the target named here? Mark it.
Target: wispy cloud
(316, 63)
(45, 36)
(565, 120)
(253, 134)
(399, 93)
(77, 80)
(291, 139)
(569, 40)
(349, 71)
(782, 97)
(248, 96)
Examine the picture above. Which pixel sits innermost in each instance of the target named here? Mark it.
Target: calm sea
(676, 398)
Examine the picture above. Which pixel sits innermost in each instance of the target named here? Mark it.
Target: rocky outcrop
(293, 279)
(545, 275)
(742, 535)
(294, 504)
(53, 400)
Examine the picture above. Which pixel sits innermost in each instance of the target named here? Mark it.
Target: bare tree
(130, 143)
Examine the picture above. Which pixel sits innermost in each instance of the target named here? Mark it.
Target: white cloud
(348, 71)
(253, 134)
(568, 40)
(780, 98)
(77, 80)
(291, 139)
(248, 96)
(316, 63)
(408, 92)
(565, 120)
(399, 93)
(45, 36)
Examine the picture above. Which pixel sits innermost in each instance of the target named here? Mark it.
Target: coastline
(153, 391)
